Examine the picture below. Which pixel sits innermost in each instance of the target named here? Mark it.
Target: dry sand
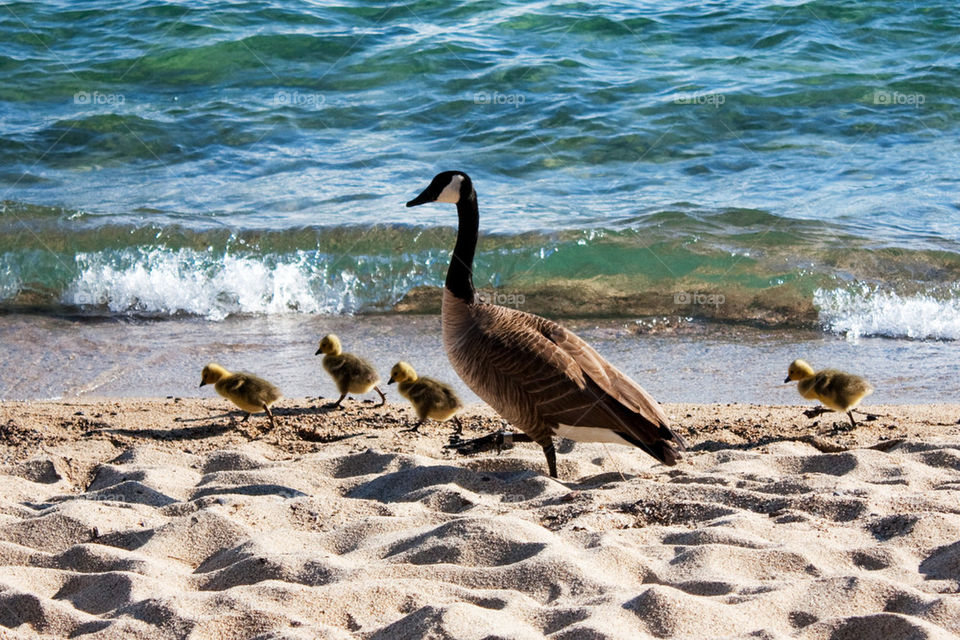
(168, 519)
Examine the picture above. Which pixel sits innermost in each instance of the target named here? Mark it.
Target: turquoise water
(212, 159)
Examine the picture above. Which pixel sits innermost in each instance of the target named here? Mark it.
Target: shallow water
(686, 363)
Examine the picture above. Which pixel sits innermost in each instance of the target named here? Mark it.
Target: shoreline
(673, 362)
(304, 425)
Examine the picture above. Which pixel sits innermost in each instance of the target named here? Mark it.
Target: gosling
(351, 373)
(430, 398)
(247, 391)
(836, 390)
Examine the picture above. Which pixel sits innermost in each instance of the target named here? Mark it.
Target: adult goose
(537, 375)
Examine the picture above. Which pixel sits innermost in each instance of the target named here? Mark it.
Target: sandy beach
(168, 518)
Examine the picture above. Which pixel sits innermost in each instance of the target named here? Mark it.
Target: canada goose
(351, 373)
(430, 398)
(835, 389)
(533, 372)
(247, 391)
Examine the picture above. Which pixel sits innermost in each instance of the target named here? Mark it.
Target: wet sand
(162, 518)
(674, 359)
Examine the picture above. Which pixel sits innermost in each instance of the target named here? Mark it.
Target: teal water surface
(219, 158)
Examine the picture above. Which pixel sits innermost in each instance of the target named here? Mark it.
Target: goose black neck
(460, 273)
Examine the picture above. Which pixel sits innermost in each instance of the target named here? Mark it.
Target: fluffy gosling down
(430, 398)
(351, 373)
(247, 391)
(834, 389)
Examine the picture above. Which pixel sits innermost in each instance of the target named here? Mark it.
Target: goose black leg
(551, 454)
(852, 422)
(270, 415)
(383, 398)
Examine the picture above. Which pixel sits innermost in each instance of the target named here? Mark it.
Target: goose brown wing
(569, 383)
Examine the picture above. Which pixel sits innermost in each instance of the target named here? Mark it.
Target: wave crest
(186, 281)
(868, 311)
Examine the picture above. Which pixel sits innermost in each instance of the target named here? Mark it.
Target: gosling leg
(246, 416)
(414, 428)
(336, 404)
(270, 415)
(459, 425)
(383, 398)
(852, 422)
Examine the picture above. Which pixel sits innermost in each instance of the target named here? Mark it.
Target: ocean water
(785, 165)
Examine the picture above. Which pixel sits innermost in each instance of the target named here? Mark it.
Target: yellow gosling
(247, 391)
(430, 398)
(351, 373)
(836, 390)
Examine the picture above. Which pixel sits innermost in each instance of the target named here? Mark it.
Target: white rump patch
(590, 434)
(451, 193)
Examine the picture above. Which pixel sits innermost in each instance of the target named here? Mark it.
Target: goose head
(212, 373)
(329, 345)
(448, 186)
(799, 370)
(402, 372)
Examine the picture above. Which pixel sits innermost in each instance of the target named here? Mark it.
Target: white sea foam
(873, 312)
(10, 283)
(165, 282)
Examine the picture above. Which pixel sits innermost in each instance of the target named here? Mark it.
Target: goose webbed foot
(335, 405)
(498, 440)
(815, 412)
(869, 417)
(415, 428)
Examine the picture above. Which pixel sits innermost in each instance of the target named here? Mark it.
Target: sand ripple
(348, 541)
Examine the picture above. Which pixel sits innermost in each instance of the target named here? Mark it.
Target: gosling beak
(786, 380)
(391, 380)
(317, 352)
(202, 383)
(425, 196)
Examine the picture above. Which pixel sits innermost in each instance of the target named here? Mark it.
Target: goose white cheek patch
(451, 193)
